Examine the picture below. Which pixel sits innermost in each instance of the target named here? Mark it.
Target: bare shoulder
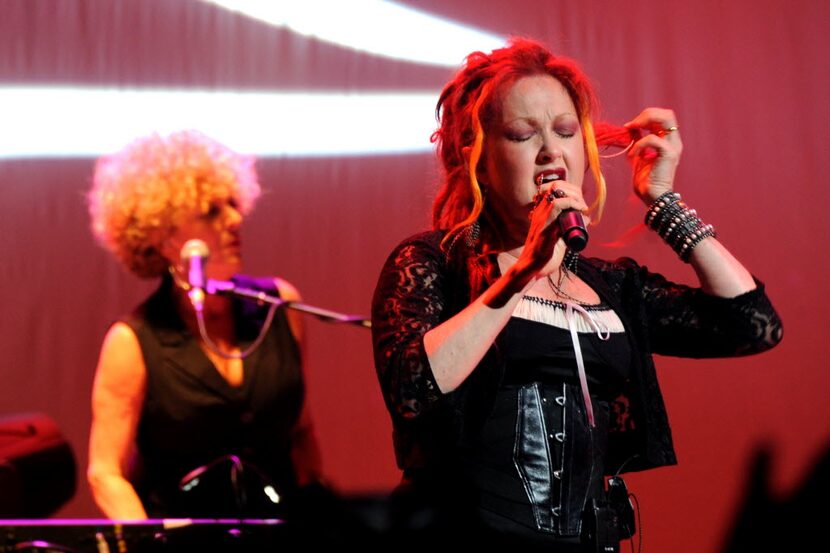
(121, 364)
(287, 290)
(120, 341)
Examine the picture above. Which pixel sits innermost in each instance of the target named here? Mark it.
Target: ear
(171, 251)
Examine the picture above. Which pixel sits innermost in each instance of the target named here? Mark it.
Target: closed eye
(566, 126)
(519, 137)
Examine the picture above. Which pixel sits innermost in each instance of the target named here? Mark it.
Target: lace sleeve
(408, 302)
(684, 321)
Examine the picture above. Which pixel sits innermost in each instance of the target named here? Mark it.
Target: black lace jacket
(419, 288)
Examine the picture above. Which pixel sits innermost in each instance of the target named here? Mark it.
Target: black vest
(193, 418)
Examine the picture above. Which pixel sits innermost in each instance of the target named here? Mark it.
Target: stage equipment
(37, 467)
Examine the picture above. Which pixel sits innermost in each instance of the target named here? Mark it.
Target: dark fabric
(538, 352)
(419, 288)
(535, 461)
(192, 416)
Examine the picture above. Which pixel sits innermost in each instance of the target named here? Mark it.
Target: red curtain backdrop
(747, 79)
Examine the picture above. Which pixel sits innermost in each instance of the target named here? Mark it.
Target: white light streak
(75, 122)
(375, 26)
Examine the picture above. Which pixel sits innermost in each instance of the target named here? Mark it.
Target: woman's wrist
(519, 276)
(650, 198)
(513, 281)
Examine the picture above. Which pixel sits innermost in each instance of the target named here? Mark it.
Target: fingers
(543, 238)
(656, 155)
(663, 140)
(652, 146)
(659, 121)
(556, 198)
(564, 192)
(549, 195)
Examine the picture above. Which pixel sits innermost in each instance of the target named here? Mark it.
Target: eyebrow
(533, 120)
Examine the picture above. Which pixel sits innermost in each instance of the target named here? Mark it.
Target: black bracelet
(677, 224)
(683, 219)
(662, 207)
(685, 227)
(685, 251)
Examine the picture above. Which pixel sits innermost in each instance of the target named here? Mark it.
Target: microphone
(572, 228)
(194, 255)
(571, 225)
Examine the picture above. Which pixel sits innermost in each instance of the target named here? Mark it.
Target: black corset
(538, 463)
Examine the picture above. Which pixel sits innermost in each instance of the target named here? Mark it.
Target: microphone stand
(228, 288)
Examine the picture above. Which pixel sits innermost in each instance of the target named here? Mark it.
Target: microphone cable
(212, 346)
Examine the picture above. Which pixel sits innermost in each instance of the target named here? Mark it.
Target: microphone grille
(194, 248)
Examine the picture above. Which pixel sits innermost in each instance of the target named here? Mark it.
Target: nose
(233, 217)
(549, 150)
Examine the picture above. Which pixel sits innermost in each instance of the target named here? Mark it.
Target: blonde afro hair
(140, 194)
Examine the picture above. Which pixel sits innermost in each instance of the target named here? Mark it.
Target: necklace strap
(562, 294)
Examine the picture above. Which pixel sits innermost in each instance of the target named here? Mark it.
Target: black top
(536, 464)
(420, 287)
(539, 352)
(192, 416)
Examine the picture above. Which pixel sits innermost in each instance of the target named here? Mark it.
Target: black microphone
(194, 255)
(572, 228)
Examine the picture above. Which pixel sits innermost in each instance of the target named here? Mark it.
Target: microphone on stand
(194, 255)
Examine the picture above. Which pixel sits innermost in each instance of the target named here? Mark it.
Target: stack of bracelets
(677, 225)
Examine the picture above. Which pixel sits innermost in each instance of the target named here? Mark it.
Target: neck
(215, 307)
(514, 253)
